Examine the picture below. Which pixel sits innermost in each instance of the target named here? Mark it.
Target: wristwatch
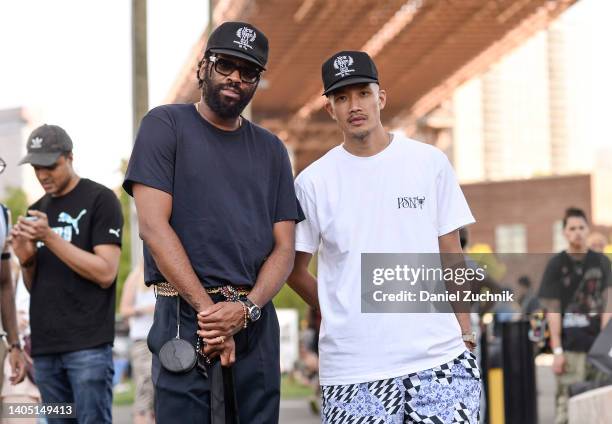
(254, 311)
(469, 337)
(15, 345)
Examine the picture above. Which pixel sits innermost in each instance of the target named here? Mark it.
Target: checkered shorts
(449, 393)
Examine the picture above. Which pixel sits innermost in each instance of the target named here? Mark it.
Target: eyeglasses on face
(225, 67)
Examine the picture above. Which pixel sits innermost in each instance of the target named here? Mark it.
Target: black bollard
(520, 394)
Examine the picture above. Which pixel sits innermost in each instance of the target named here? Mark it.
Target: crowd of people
(224, 225)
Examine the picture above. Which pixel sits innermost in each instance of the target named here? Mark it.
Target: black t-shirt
(228, 190)
(67, 311)
(578, 284)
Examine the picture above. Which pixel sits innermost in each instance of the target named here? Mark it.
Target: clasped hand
(217, 325)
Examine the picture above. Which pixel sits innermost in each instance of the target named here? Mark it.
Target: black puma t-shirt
(228, 189)
(67, 311)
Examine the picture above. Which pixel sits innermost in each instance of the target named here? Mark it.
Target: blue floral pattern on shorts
(447, 394)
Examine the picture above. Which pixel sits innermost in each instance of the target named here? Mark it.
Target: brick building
(526, 215)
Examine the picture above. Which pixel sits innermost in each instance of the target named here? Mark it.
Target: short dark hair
(574, 213)
(464, 237)
(524, 281)
(198, 69)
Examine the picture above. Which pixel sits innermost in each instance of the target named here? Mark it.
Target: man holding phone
(69, 248)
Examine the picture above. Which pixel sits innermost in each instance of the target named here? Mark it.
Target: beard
(221, 105)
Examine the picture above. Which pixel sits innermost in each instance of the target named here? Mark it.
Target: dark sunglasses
(248, 74)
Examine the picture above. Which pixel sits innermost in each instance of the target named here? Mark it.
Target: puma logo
(115, 232)
(67, 219)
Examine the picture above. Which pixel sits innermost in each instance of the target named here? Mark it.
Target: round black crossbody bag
(178, 355)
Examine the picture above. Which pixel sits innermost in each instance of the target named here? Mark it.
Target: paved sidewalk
(297, 411)
(294, 411)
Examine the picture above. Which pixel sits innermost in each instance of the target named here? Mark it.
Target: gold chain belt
(167, 290)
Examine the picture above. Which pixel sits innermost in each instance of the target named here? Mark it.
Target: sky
(68, 62)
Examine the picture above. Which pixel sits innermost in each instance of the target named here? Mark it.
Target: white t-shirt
(141, 324)
(351, 206)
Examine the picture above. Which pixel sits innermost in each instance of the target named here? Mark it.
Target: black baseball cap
(46, 144)
(347, 68)
(239, 39)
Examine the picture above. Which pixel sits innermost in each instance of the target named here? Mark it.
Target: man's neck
(577, 251)
(226, 124)
(370, 145)
(74, 180)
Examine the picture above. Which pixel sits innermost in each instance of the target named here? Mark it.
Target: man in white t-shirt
(383, 193)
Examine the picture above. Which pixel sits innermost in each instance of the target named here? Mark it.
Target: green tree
(287, 298)
(16, 200)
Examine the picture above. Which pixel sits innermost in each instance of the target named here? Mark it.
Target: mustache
(356, 116)
(232, 86)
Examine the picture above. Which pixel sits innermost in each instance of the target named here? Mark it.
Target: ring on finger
(221, 339)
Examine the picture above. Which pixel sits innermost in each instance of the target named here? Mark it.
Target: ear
(382, 98)
(203, 69)
(330, 109)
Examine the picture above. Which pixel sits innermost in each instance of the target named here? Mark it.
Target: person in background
(138, 305)
(525, 297)
(68, 248)
(25, 391)
(7, 301)
(574, 292)
(597, 242)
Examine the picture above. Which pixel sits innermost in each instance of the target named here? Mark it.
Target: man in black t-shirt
(69, 247)
(217, 210)
(574, 290)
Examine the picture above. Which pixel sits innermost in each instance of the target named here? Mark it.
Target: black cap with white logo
(241, 40)
(347, 68)
(46, 144)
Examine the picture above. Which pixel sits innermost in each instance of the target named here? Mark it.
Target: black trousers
(185, 398)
